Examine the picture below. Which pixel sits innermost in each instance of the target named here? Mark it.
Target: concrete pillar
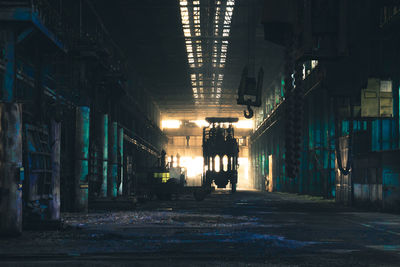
(104, 149)
(10, 146)
(120, 160)
(10, 166)
(55, 138)
(112, 160)
(82, 158)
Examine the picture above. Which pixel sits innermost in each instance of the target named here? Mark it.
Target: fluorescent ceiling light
(191, 26)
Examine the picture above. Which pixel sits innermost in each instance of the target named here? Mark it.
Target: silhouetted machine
(220, 153)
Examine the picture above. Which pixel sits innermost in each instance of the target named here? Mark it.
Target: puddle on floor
(386, 247)
(340, 251)
(164, 209)
(250, 237)
(386, 223)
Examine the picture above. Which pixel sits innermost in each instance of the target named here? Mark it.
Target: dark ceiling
(151, 36)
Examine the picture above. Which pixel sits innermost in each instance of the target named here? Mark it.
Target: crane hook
(250, 113)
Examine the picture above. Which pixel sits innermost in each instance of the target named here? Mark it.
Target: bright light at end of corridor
(243, 174)
(170, 124)
(194, 166)
(244, 124)
(201, 123)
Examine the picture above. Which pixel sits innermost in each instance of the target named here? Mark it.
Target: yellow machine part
(163, 175)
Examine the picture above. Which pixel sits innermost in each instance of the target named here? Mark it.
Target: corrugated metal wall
(375, 154)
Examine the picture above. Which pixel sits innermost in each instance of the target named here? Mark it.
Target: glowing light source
(193, 166)
(217, 165)
(244, 124)
(314, 63)
(201, 123)
(172, 124)
(243, 174)
(191, 24)
(225, 163)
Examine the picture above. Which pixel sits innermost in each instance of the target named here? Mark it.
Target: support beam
(104, 151)
(82, 158)
(112, 160)
(25, 34)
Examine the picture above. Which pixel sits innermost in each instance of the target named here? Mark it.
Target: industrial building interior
(199, 133)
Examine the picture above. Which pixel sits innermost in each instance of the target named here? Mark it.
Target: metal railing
(75, 31)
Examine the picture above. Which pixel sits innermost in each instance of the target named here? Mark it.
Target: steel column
(55, 137)
(10, 166)
(120, 160)
(104, 151)
(82, 158)
(10, 145)
(112, 160)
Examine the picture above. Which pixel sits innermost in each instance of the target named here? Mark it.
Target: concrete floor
(244, 229)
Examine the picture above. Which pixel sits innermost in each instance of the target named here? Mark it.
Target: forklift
(165, 180)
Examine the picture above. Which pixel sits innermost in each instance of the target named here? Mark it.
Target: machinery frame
(220, 153)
